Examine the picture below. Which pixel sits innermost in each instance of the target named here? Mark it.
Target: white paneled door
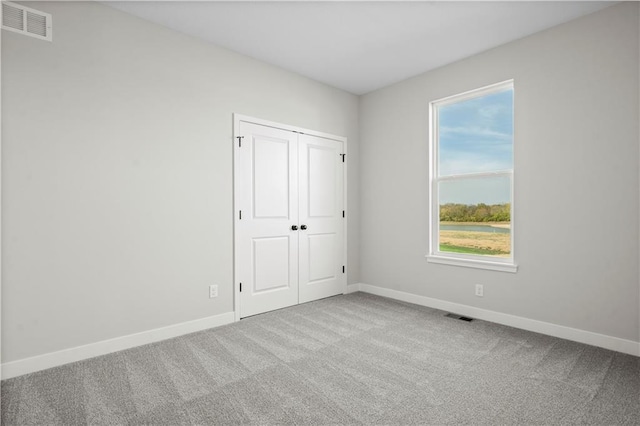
(320, 240)
(289, 235)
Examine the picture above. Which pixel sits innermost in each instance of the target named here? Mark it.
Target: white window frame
(461, 259)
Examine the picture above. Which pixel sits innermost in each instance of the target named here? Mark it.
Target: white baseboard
(608, 342)
(352, 288)
(79, 353)
(54, 359)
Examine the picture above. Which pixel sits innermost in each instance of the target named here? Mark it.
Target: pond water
(475, 228)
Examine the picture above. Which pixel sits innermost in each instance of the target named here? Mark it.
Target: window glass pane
(475, 216)
(476, 135)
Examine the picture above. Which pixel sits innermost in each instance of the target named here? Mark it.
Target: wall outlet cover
(213, 291)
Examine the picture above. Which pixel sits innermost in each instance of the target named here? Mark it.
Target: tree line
(451, 212)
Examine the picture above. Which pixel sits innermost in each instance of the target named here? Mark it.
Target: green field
(470, 250)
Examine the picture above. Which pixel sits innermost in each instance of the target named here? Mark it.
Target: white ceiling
(359, 46)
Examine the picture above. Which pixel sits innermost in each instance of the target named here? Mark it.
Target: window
(471, 197)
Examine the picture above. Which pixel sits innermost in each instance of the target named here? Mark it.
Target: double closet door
(290, 224)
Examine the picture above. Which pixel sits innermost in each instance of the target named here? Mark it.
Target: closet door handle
(294, 227)
(303, 227)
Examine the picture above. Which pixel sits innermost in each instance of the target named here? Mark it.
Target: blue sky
(476, 136)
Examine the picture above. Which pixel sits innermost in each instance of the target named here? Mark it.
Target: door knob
(294, 227)
(303, 227)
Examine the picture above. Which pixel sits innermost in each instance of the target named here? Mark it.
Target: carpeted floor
(353, 359)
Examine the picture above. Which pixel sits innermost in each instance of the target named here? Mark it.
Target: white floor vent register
(27, 21)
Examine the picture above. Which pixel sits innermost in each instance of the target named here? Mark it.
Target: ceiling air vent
(27, 21)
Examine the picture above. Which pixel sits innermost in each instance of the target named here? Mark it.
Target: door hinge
(343, 269)
(240, 287)
(343, 155)
(240, 141)
(240, 215)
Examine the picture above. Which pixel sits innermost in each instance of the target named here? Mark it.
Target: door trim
(237, 119)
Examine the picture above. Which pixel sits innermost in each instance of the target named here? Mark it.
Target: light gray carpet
(353, 359)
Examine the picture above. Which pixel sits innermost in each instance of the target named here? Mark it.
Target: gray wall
(576, 182)
(117, 174)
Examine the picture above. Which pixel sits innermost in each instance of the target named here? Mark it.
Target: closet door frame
(237, 119)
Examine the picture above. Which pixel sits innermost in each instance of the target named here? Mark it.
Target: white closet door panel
(270, 177)
(268, 198)
(271, 263)
(321, 176)
(321, 257)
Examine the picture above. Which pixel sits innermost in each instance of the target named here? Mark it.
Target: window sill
(472, 263)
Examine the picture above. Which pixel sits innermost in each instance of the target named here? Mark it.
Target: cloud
(475, 131)
(493, 110)
(471, 163)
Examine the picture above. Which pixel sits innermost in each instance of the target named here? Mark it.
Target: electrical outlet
(213, 291)
(479, 290)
